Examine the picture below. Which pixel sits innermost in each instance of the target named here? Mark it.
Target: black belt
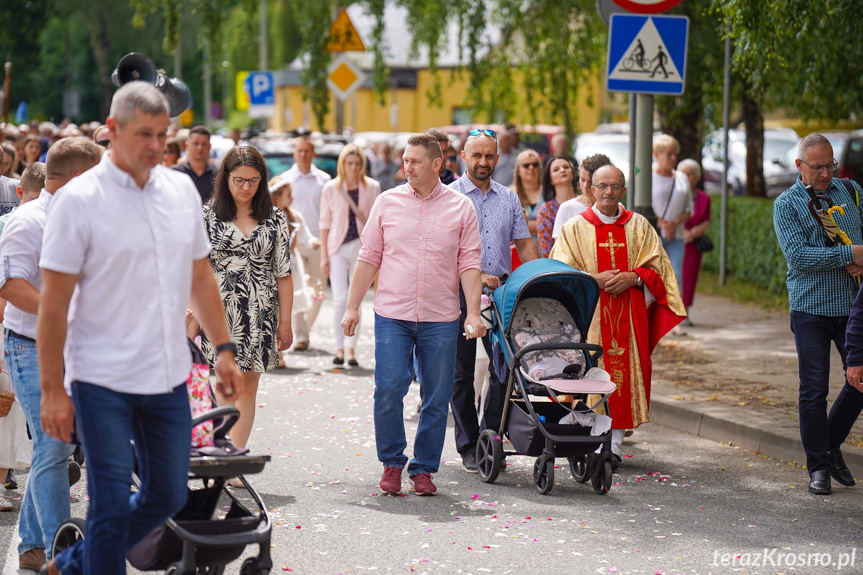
(19, 336)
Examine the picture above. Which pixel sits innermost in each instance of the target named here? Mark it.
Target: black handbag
(703, 244)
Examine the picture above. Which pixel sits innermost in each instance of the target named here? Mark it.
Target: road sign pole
(630, 177)
(340, 116)
(644, 157)
(726, 121)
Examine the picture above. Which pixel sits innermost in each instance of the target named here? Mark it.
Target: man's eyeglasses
(240, 182)
(533, 165)
(829, 167)
(603, 187)
(478, 132)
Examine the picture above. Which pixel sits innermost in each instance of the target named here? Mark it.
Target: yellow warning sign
(343, 35)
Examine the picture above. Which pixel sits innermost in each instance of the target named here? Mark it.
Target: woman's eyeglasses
(240, 182)
(533, 165)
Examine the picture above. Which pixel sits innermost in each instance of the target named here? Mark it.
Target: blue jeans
(46, 498)
(675, 250)
(820, 432)
(107, 421)
(435, 352)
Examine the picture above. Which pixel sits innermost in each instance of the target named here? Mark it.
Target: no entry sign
(647, 6)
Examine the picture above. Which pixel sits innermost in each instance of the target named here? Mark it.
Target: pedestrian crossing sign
(647, 54)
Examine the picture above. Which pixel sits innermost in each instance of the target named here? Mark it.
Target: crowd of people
(239, 262)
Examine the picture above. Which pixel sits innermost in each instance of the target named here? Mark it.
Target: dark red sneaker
(421, 484)
(391, 482)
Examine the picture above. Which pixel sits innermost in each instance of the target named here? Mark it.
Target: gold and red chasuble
(614, 309)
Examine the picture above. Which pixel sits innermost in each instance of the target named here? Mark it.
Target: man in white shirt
(307, 181)
(124, 255)
(46, 498)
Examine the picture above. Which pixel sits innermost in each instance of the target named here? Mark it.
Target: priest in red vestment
(639, 302)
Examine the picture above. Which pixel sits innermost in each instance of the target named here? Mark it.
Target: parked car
(279, 156)
(847, 150)
(395, 139)
(536, 137)
(613, 144)
(778, 177)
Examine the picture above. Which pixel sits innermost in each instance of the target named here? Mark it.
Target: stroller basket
(527, 439)
(162, 546)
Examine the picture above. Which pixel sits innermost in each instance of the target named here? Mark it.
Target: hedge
(753, 254)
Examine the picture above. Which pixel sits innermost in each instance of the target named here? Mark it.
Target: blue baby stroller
(540, 317)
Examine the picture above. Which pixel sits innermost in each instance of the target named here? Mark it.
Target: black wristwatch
(230, 346)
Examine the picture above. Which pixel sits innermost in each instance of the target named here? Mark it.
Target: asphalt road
(678, 505)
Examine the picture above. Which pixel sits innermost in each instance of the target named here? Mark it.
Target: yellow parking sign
(242, 97)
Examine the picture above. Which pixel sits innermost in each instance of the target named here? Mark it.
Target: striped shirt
(817, 281)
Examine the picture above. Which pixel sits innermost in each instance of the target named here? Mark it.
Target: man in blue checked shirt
(821, 290)
(501, 221)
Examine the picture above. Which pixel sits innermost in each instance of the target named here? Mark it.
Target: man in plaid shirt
(821, 289)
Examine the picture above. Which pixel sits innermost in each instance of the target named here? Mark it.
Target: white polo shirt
(133, 251)
(20, 246)
(306, 194)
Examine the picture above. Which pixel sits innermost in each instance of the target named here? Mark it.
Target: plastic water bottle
(542, 418)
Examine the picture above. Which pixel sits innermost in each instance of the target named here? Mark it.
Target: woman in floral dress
(252, 262)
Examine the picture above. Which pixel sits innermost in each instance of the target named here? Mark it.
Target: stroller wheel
(251, 566)
(489, 455)
(601, 479)
(68, 533)
(543, 475)
(78, 455)
(579, 467)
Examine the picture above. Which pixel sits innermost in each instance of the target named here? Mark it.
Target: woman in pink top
(346, 203)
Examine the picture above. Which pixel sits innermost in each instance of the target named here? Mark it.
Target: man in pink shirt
(424, 239)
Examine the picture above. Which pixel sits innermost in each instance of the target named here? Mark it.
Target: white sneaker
(5, 504)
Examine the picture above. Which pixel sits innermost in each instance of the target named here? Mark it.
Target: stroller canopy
(544, 277)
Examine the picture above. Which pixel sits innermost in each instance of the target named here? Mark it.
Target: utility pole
(7, 83)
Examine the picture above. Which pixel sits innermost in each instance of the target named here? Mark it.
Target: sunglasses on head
(478, 132)
(104, 143)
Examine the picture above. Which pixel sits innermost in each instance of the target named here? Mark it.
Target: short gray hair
(134, 96)
(692, 165)
(812, 140)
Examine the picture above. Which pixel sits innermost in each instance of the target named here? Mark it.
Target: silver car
(778, 176)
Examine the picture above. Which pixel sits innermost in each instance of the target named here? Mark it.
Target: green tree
(792, 55)
(684, 116)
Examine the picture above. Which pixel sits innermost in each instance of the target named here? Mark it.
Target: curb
(708, 426)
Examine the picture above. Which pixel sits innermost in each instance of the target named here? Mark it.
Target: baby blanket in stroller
(545, 320)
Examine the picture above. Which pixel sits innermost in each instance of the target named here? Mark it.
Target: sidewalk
(733, 379)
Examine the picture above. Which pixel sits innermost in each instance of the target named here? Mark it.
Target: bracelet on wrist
(230, 346)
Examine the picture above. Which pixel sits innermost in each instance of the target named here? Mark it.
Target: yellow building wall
(363, 113)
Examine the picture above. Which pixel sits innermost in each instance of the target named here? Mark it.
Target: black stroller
(540, 318)
(195, 541)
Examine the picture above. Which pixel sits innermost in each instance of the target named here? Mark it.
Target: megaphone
(138, 67)
(134, 67)
(177, 92)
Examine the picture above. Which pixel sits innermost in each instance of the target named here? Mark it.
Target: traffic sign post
(262, 94)
(344, 77)
(647, 54)
(628, 65)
